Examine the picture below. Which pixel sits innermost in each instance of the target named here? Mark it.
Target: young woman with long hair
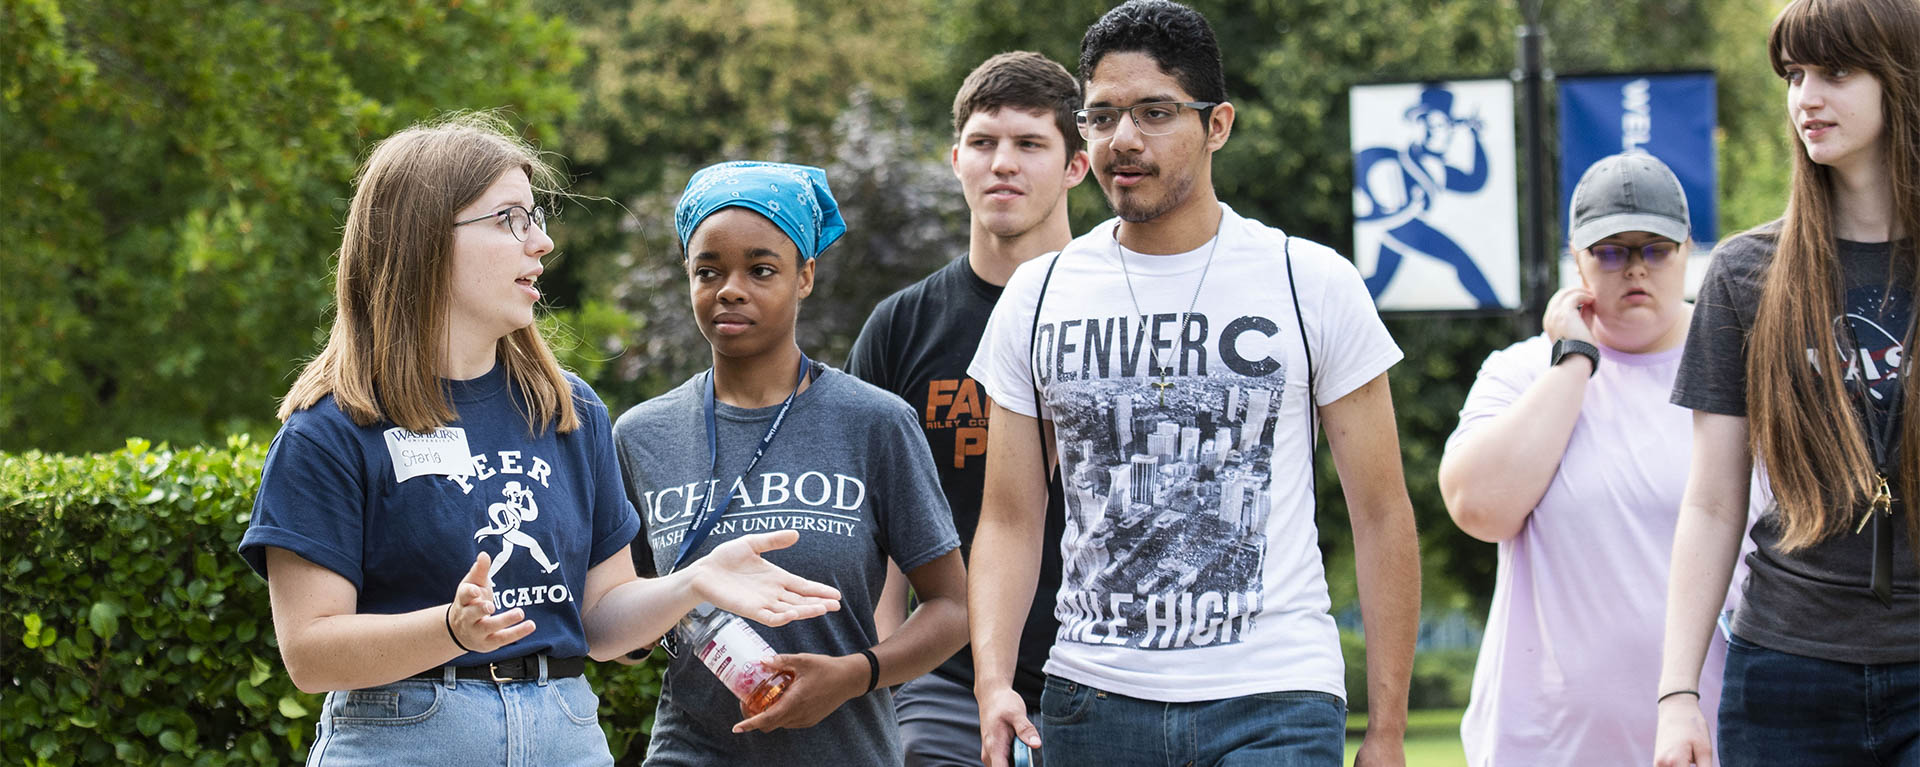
(769, 439)
(441, 519)
(1798, 362)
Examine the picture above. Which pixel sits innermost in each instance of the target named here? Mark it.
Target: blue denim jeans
(462, 722)
(1780, 708)
(1084, 727)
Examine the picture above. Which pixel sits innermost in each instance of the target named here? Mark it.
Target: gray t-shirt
(1816, 601)
(850, 471)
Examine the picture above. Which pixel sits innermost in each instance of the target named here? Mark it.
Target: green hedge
(134, 633)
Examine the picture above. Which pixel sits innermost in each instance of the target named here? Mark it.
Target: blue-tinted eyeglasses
(1613, 258)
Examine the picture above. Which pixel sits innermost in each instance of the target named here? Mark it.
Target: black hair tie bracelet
(453, 636)
(873, 670)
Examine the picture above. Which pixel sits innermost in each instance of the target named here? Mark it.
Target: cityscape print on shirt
(1167, 494)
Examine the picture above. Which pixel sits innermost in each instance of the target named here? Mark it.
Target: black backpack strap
(1033, 348)
(1313, 425)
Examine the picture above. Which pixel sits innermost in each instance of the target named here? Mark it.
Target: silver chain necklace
(1154, 354)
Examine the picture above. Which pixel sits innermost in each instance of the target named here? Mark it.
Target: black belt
(511, 670)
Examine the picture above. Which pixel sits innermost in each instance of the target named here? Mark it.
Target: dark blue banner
(1670, 116)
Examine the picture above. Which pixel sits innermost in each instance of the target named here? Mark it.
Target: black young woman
(770, 440)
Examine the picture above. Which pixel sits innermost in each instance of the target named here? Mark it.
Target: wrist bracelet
(451, 635)
(1663, 698)
(1567, 346)
(873, 670)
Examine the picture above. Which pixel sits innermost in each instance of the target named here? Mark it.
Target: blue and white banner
(1436, 217)
(1670, 116)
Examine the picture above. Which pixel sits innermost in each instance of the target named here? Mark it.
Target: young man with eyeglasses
(1569, 456)
(1181, 355)
(1016, 153)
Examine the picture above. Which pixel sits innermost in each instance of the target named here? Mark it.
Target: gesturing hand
(820, 684)
(471, 620)
(735, 578)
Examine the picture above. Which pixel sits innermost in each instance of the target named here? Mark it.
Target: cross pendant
(1163, 385)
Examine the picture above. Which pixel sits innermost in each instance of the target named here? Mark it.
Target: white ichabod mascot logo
(507, 517)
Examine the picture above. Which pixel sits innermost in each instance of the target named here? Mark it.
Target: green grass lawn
(1433, 738)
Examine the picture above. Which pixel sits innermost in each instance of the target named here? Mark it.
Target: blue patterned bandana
(794, 197)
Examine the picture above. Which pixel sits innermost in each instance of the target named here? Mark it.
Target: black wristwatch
(1566, 346)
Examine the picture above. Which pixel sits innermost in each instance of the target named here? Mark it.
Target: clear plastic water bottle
(735, 653)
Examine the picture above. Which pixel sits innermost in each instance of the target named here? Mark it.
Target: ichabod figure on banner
(1424, 173)
(1423, 185)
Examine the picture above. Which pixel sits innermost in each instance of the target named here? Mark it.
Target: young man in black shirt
(1017, 153)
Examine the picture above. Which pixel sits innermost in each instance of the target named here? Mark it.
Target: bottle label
(734, 654)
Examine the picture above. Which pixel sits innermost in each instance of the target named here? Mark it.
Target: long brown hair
(392, 284)
(1822, 474)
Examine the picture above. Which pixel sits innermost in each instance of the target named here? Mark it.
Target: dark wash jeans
(1781, 708)
(1084, 727)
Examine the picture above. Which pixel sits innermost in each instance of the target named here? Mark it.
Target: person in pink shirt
(1569, 456)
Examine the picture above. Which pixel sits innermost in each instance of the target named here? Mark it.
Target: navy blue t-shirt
(545, 507)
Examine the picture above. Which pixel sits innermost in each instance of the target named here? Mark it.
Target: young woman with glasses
(1570, 458)
(1799, 363)
(441, 519)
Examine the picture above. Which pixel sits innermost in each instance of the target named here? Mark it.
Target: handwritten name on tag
(442, 451)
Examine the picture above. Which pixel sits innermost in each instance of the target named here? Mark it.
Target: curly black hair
(1178, 38)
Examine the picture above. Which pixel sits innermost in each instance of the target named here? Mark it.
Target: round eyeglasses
(1154, 118)
(518, 219)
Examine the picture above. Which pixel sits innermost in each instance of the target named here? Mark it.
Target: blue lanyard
(703, 524)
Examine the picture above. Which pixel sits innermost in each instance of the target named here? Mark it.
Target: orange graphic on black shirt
(957, 407)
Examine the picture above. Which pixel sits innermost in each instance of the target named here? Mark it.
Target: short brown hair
(391, 286)
(1023, 80)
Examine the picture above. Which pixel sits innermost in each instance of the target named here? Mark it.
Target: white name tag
(442, 451)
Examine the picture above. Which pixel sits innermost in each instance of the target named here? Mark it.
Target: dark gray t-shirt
(850, 471)
(1816, 601)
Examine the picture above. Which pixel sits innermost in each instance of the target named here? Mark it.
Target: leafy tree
(673, 85)
(190, 165)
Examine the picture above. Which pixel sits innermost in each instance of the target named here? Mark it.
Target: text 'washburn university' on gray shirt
(851, 472)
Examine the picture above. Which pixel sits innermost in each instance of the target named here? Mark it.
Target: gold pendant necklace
(1154, 354)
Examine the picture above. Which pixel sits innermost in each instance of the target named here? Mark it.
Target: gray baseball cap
(1631, 192)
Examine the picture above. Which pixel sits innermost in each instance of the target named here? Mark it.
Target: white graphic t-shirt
(1192, 570)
